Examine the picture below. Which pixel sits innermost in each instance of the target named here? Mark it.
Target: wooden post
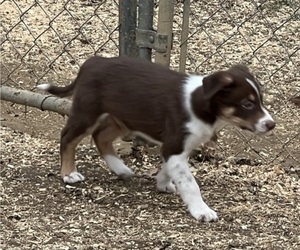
(184, 35)
(165, 27)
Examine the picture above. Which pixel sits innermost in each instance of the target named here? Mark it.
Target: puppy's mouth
(246, 128)
(254, 130)
(241, 124)
(244, 125)
(249, 128)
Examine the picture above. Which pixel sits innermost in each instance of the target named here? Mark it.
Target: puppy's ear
(216, 82)
(240, 67)
(296, 100)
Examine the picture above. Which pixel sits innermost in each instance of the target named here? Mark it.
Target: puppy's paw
(73, 177)
(118, 167)
(166, 187)
(125, 173)
(203, 213)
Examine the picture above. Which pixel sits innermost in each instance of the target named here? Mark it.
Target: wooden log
(40, 101)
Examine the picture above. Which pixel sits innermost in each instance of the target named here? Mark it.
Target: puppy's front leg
(163, 181)
(178, 169)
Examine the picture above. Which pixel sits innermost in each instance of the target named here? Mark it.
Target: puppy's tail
(58, 91)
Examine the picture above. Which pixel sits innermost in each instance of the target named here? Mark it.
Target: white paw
(73, 177)
(125, 173)
(118, 167)
(203, 213)
(166, 187)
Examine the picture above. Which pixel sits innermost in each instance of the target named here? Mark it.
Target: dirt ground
(253, 183)
(258, 206)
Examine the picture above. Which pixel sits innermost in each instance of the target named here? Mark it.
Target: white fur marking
(179, 172)
(255, 88)
(117, 166)
(177, 168)
(73, 177)
(164, 182)
(192, 83)
(201, 132)
(260, 126)
(44, 86)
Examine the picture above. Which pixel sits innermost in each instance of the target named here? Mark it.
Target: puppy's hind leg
(74, 131)
(104, 136)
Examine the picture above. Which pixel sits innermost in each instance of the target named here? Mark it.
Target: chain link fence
(46, 41)
(265, 36)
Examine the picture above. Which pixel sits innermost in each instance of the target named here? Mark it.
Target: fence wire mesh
(46, 41)
(265, 36)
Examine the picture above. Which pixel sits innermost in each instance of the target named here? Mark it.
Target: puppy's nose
(270, 124)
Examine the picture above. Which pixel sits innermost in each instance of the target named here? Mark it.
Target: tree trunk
(42, 102)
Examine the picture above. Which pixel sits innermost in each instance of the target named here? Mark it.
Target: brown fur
(145, 97)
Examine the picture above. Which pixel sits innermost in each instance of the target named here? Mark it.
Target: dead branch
(42, 102)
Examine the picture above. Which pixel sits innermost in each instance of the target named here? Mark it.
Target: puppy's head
(235, 97)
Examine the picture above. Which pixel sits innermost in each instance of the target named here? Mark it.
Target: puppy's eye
(248, 105)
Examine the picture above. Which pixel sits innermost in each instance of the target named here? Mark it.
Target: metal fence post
(127, 21)
(184, 35)
(145, 22)
(165, 26)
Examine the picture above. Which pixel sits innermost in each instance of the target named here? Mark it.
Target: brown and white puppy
(117, 96)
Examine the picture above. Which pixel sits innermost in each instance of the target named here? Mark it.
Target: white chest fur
(200, 132)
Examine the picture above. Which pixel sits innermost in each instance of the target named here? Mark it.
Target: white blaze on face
(261, 126)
